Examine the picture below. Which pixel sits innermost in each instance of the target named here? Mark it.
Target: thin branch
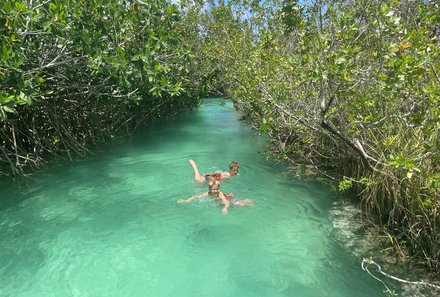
(391, 116)
(44, 3)
(357, 146)
(282, 110)
(33, 33)
(51, 64)
(367, 262)
(13, 168)
(164, 57)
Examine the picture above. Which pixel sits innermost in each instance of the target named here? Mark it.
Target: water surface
(110, 226)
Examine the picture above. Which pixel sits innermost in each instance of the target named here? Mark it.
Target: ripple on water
(83, 193)
(61, 211)
(112, 227)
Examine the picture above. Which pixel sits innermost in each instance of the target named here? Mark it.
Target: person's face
(214, 191)
(233, 171)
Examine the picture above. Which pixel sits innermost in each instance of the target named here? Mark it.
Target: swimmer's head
(214, 187)
(233, 168)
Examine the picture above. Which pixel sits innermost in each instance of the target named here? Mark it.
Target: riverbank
(115, 217)
(368, 241)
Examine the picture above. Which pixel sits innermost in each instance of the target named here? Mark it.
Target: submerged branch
(367, 262)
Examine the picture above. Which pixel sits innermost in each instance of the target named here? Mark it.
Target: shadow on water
(110, 225)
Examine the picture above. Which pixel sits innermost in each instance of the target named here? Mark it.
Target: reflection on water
(110, 226)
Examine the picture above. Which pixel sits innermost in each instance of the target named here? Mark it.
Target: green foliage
(345, 184)
(130, 46)
(350, 88)
(75, 73)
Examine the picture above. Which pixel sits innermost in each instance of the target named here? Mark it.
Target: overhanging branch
(356, 145)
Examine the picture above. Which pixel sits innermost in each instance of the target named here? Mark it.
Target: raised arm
(193, 198)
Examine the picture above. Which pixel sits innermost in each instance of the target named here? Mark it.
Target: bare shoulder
(226, 174)
(221, 195)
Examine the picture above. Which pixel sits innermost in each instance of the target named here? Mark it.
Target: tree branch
(356, 146)
(367, 262)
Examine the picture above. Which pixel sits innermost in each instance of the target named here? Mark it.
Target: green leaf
(8, 109)
(61, 17)
(340, 60)
(9, 98)
(2, 114)
(345, 184)
(20, 6)
(8, 7)
(389, 13)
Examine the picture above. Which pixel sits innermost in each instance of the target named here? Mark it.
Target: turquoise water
(110, 226)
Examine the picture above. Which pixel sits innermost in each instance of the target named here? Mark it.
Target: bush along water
(349, 90)
(74, 74)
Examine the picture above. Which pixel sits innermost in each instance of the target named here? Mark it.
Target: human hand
(224, 210)
(181, 201)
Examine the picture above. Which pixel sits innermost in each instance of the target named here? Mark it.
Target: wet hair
(234, 165)
(213, 184)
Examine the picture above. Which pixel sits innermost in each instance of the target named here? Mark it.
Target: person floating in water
(218, 175)
(214, 191)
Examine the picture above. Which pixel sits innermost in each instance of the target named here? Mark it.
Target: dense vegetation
(346, 89)
(77, 73)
